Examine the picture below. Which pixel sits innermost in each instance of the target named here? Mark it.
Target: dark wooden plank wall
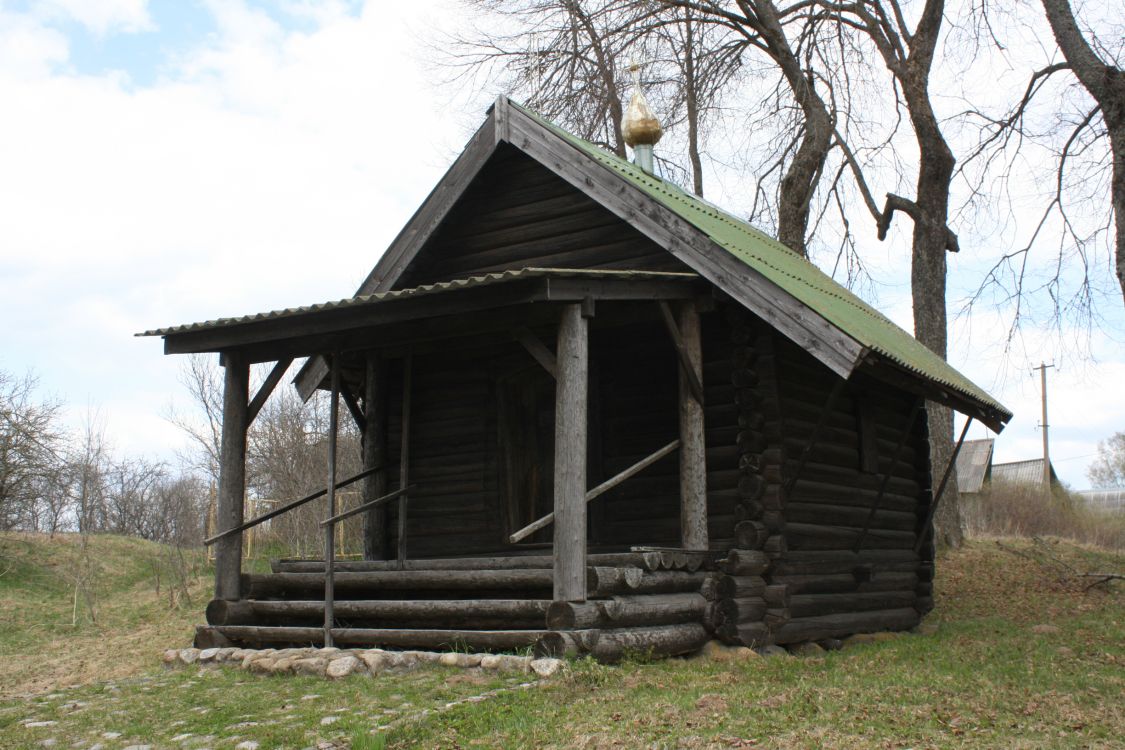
(461, 507)
(637, 395)
(517, 214)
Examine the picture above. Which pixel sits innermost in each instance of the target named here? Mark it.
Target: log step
(255, 636)
(602, 581)
(478, 614)
(648, 560)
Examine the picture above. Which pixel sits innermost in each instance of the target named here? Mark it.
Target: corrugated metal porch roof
(489, 279)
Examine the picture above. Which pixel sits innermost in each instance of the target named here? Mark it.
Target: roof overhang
(357, 322)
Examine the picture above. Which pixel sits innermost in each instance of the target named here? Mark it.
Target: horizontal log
(507, 562)
(776, 617)
(750, 534)
(839, 583)
(611, 646)
(741, 610)
(840, 561)
(776, 595)
(807, 536)
(840, 625)
(744, 562)
(799, 511)
(475, 613)
(275, 585)
(621, 611)
(606, 582)
(731, 587)
(753, 635)
(477, 640)
(814, 605)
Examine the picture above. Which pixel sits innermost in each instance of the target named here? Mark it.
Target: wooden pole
(404, 454)
(572, 357)
(232, 475)
(375, 454)
(693, 462)
(329, 536)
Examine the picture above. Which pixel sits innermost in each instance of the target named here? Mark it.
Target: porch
(488, 407)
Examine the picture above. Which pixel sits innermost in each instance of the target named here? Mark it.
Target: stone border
(335, 663)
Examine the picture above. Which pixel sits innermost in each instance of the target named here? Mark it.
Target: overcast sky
(168, 161)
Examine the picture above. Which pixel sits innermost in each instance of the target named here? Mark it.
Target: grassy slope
(48, 640)
(984, 679)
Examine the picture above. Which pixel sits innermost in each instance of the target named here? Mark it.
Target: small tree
(1108, 469)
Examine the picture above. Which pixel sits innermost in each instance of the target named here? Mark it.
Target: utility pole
(1042, 368)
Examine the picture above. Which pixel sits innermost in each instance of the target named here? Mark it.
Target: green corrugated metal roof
(790, 271)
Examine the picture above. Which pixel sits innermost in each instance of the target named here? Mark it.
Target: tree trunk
(928, 262)
(803, 174)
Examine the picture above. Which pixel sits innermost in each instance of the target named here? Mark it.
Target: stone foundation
(335, 663)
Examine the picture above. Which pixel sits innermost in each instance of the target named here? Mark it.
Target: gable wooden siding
(518, 214)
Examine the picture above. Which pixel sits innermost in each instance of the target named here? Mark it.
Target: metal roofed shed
(974, 465)
(1029, 472)
(598, 415)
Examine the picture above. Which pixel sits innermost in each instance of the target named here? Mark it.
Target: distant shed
(1029, 472)
(974, 465)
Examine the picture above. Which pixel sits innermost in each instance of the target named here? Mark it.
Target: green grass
(990, 675)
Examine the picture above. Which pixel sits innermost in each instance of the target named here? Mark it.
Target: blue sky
(171, 161)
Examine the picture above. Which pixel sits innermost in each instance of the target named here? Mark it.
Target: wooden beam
(601, 489)
(329, 531)
(927, 525)
(404, 454)
(266, 389)
(536, 349)
(288, 507)
(570, 456)
(693, 460)
(375, 454)
(687, 366)
(353, 408)
(232, 475)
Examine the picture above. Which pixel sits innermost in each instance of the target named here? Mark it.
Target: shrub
(1005, 509)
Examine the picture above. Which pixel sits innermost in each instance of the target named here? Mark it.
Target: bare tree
(31, 448)
(1093, 64)
(1108, 469)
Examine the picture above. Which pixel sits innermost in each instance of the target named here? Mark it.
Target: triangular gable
(777, 285)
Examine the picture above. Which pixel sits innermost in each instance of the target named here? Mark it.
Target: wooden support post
(572, 357)
(232, 475)
(329, 535)
(927, 525)
(266, 389)
(404, 454)
(693, 463)
(375, 454)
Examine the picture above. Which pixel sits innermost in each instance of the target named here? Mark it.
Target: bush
(1005, 509)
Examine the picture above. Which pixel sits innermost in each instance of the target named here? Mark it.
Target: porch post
(375, 454)
(570, 456)
(232, 475)
(693, 462)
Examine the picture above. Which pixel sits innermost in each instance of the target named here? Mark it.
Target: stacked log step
(645, 601)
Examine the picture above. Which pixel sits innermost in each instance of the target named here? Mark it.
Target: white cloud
(101, 16)
(28, 49)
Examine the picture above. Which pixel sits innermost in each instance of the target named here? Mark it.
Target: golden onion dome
(640, 126)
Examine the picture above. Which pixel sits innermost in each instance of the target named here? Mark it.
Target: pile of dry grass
(1024, 511)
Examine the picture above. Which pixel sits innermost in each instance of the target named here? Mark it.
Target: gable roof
(1022, 472)
(778, 285)
(974, 465)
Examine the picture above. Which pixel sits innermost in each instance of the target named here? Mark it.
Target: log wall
(817, 574)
